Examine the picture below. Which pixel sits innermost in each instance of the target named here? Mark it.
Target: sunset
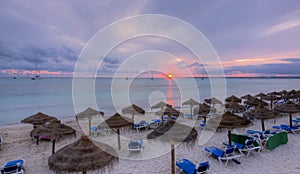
(149, 86)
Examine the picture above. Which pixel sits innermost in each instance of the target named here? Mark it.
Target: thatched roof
(117, 121)
(54, 129)
(288, 107)
(247, 97)
(133, 109)
(234, 106)
(83, 155)
(204, 109)
(212, 100)
(255, 102)
(233, 98)
(260, 95)
(191, 102)
(89, 112)
(172, 132)
(168, 111)
(230, 120)
(38, 119)
(160, 105)
(271, 97)
(261, 112)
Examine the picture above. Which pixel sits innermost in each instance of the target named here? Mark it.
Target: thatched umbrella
(117, 122)
(168, 111)
(204, 109)
(89, 113)
(83, 156)
(160, 105)
(262, 113)
(230, 121)
(290, 108)
(255, 102)
(192, 103)
(38, 119)
(233, 98)
(283, 92)
(133, 109)
(260, 95)
(271, 98)
(54, 130)
(212, 101)
(174, 133)
(247, 97)
(234, 106)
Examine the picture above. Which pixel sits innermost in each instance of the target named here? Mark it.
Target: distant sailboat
(202, 78)
(151, 75)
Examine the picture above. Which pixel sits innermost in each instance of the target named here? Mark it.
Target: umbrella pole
(172, 159)
(133, 121)
(53, 145)
(271, 104)
(119, 142)
(262, 125)
(37, 139)
(291, 120)
(84, 172)
(191, 110)
(229, 137)
(90, 125)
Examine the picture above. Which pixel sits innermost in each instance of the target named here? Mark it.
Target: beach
(283, 159)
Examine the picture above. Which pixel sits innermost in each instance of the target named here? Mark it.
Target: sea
(62, 98)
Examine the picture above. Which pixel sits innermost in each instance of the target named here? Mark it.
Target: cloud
(291, 68)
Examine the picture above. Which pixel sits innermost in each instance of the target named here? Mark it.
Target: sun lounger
(135, 146)
(141, 125)
(226, 155)
(13, 167)
(188, 167)
(294, 129)
(248, 146)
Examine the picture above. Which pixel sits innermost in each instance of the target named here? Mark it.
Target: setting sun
(170, 76)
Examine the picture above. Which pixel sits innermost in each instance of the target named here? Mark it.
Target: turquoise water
(23, 97)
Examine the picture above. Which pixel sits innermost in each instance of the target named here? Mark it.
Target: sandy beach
(155, 157)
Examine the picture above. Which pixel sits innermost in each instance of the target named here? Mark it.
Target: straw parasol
(290, 108)
(160, 105)
(204, 109)
(262, 113)
(117, 122)
(38, 119)
(233, 98)
(271, 98)
(234, 106)
(83, 156)
(133, 109)
(212, 101)
(247, 97)
(192, 103)
(260, 95)
(229, 121)
(174, 133)
(255, 102)
(89, 113)
(54, 130)
(170, 111)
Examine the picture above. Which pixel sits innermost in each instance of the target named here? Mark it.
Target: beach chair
(13, 167)
(188, 167)
(94, 131)
(135, 146)
(248, 146)
(226, 155)
(294, 129)
(188, 116)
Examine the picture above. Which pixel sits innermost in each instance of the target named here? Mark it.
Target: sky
(251, 38)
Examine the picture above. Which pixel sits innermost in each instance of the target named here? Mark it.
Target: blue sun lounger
(188, 167)
(13, 167)
(226, 155)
